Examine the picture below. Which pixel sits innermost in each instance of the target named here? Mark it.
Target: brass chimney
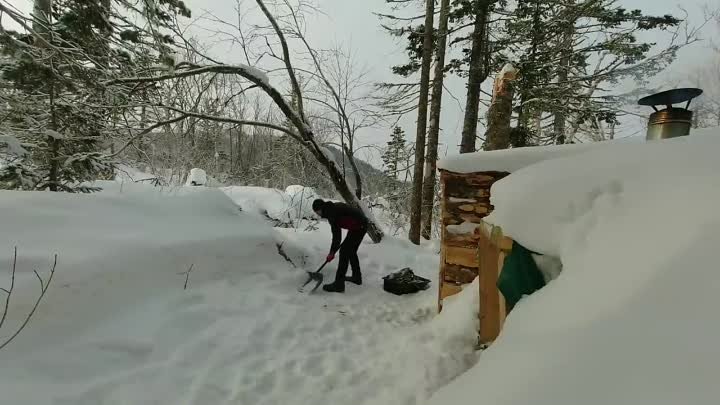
(670, 122)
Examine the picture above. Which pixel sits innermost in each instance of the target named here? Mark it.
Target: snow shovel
(314, 276)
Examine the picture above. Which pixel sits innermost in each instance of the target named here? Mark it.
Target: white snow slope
(117, 326)
(633, 318)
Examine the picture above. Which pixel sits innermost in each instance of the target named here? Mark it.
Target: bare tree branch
(43, 289)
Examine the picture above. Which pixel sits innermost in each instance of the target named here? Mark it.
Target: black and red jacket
(343, 216)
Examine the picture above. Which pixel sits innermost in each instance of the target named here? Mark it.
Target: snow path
(118, 328)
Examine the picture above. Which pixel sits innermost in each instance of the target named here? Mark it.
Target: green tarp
(519, 276)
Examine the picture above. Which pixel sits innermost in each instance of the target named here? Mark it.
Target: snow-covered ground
(118, 327)
(633, 317)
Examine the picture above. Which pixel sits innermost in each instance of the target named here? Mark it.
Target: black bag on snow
(404, 282)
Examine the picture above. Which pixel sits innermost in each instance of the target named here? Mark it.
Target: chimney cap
(670, 97)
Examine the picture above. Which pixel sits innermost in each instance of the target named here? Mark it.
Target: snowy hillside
(118, 327)
(633, 317)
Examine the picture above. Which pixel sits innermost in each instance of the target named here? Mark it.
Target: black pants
(348, 254)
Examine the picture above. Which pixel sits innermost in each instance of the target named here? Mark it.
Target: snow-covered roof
(511, 160)
(637, 229)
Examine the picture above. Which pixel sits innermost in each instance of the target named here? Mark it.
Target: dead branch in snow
(44, 285)
(187, 275)
(284, 255)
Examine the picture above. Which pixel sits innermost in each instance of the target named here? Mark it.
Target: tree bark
(479, 71)
(428, 195)
(417, 187)
(560, 116)
(42, 10)
(497, 135)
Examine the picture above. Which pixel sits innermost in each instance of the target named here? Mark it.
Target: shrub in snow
(197, 177)
(300, 200)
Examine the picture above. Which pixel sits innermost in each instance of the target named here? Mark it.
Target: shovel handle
(321, 267)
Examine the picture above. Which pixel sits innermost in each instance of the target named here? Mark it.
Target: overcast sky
(353, 24)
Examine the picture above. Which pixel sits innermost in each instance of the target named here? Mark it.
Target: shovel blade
(313, 276)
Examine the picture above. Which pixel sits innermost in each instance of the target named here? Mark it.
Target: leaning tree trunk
(358, 179)
(428, 195)
(341, 185)
(303, 132)
(417, 187)
(479, 71)
(497, 135)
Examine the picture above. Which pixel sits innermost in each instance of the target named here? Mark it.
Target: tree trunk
(428, 195)
(526, 112)
(479, 71)
(417, 187)
(560, 116)
(356, 172)
(42, 10)
(497, 135)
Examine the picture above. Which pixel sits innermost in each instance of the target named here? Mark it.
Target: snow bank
(300, 199)
(197, 177)
(632, 318)
(118, 326)
(512, 160)
(288, 206)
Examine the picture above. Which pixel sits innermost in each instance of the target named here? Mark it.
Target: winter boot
(338, 287)
(356, 278)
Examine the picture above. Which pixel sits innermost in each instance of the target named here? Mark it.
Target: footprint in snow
(314, 365)
(266, 382)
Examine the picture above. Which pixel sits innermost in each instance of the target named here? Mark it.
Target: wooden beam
(490, 309)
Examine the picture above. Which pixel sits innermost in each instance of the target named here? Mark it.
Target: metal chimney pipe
(669, 122)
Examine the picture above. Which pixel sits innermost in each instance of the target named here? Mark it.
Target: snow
(512, 160)
(257, 73)
(461, 200)
(462, 229)
(12, 145)
(507, 68)
(301, 199)
(197, 177)
(632, 318)
(289, 206)
(118, 327)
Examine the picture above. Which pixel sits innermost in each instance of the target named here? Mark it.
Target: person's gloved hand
(330, 257)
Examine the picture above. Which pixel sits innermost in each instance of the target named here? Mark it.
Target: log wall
(465, 201)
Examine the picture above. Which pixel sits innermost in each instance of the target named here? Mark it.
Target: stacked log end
(465, 202)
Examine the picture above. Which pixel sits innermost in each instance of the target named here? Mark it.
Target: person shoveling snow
(343, 216)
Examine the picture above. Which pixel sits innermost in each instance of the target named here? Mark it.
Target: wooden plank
(461, 256)
(490, 319)
(503, 308)
(499, 239)
(449, 289)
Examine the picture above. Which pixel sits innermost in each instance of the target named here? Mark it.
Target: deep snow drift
(118, 327)
(633, 318)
